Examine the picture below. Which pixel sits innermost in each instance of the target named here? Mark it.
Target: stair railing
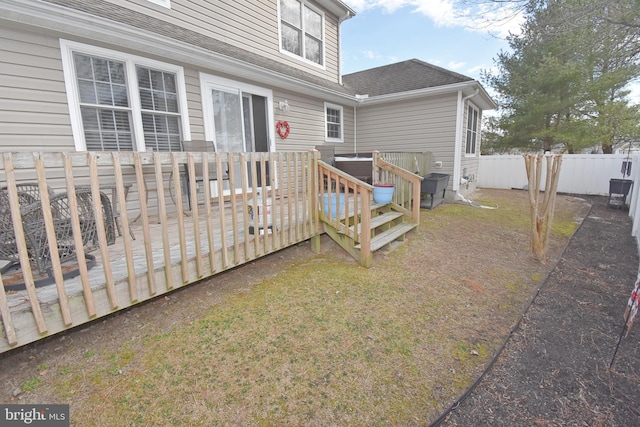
(345, 204)
(407, 186)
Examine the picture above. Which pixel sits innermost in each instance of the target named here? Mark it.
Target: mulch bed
(554, 369)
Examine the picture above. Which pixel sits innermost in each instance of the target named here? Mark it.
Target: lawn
(299, 338)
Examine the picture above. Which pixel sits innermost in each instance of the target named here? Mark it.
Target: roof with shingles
(405, 76)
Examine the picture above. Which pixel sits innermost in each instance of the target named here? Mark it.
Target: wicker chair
(35, 233)
(28, 192)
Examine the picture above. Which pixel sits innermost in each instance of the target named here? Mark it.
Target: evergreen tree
(563, 84)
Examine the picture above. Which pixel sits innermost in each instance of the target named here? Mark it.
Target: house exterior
(144, 75)
(415, 106)
(100, 94)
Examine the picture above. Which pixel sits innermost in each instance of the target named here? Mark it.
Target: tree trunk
(541, 211)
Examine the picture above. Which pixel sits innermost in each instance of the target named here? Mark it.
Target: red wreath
(283, 128)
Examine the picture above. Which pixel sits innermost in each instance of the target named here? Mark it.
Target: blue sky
(447, 33)
(460, 35)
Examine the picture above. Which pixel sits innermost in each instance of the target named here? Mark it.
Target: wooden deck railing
(407, 184)
(174, 228)
(345, 201)
(345, 204)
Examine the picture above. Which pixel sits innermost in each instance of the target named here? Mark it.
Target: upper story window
(472, 130)
(334, 123)
(120, 102)
(302, 30)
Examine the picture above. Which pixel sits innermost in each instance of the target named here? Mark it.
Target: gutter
(470, 85)
(355, 129)
(457, 159)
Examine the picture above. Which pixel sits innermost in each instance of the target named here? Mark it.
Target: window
(160, 114)
(334, 126)
(119, 102)
(302, 30)
(472, 130)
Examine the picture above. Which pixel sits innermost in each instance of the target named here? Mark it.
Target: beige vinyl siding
(331, 49)
(194, 101)
(306, 117)
(33, 106)
(251, 26)
(426, 124)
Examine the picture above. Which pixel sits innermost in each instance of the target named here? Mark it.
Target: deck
(234, 249)
(172, 228)
(164, 243)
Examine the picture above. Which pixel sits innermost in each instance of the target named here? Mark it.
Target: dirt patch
(300, 338)
(554, 371)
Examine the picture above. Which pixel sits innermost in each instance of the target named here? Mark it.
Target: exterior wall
(417, 125)
(33, 108)
(34, 112)
(248, 25)
(306, 117)
(194, 100)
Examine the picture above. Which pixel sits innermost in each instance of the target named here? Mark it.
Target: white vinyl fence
(579, 174)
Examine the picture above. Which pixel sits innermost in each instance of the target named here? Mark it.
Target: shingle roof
(401, 77)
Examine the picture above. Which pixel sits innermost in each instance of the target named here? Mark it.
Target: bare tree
(542, 210)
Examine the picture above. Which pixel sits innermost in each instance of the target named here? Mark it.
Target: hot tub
(359, 167)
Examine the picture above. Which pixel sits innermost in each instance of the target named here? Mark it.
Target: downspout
(341, 19)
(457, 158)
(355, 130)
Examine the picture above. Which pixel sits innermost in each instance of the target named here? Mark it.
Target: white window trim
(322, 66)
(163, 3)
(477, 150)
(67, 48)
(326, 122)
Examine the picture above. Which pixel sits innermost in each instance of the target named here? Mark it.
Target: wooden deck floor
(234, 243)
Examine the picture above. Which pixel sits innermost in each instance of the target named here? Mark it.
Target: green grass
(326, 342)
(31, 384)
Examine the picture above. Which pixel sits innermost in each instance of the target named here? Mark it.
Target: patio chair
(28, 192)
(33, 223)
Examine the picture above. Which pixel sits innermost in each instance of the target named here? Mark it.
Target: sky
(464, 36)
(453, 34)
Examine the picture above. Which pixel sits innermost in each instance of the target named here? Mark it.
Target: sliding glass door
(236, 118)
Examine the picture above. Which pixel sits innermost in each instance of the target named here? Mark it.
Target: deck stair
(388, 224)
